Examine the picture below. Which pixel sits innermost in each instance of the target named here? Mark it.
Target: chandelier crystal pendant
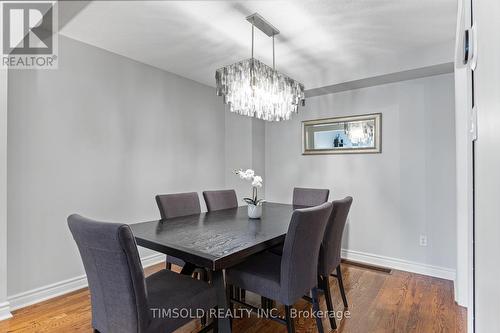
(251, 88)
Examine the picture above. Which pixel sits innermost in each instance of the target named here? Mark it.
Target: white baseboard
(46, 292)
(5, 311)
(60, 288)
(153, 259)
(400, 264)
(40, 294)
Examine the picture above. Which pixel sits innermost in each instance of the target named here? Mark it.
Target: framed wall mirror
(342, 135)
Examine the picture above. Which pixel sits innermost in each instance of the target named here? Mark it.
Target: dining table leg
(224, 323)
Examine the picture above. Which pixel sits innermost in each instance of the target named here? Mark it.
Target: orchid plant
(257, 181)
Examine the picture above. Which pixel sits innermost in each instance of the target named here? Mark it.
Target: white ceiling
(321, 42)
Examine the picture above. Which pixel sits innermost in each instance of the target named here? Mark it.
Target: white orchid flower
(256, 184)
(241, 174)
(257, 181)
(249, 174)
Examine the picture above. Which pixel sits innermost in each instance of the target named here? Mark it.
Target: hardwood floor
(378, 302)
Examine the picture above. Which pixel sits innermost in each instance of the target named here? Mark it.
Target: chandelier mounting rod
(252, 37)
(263, 25)
(274, 66)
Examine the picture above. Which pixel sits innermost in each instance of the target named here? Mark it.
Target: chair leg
(230, 289)
(230, 295)
(212, 327)
(242, 295)
(315, 305)
(236, 293)
(209, 276)
(263, 303)
(325, 285)
(341, 286)
(266, 303)
(201, 275)
(215, 326)
(290, 322)
(203, 320)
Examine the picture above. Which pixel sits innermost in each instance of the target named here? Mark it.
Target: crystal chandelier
(251, 88)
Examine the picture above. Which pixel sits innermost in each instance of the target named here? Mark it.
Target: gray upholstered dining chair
(287, 278)
(220, 199)
(309, 196)
(329, 254)
(177, 205)
(123, 300)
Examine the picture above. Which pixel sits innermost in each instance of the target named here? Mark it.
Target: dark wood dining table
(216, 240)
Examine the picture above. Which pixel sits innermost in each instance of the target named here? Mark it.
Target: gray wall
(245, 149)
(406, 191)
(4, 313)
(100, 136)
(103, 134)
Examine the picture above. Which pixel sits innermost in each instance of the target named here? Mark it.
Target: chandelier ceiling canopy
(251, 88)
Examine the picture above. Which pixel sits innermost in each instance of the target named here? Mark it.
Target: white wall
(487, 166)
(464, 169)
(406, 191)
(100, 136)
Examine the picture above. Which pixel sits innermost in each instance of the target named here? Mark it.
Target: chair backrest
(221, 199)
(301, 250)
(114, 273)
(178, 204)
(309, 196)
(329, 254)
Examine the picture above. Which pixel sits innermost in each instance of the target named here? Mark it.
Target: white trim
(60, 288)
(5, 311)
(400, 264)
(153, 259)
(46, 292)
(41, 294)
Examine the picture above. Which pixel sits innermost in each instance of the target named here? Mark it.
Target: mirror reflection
(356, 134)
